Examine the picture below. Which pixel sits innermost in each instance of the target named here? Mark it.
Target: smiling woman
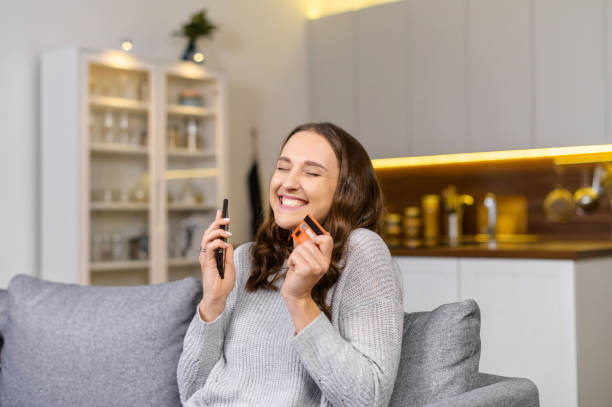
(332, 335)
(324, 171)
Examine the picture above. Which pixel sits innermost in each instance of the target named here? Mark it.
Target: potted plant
(198, 26)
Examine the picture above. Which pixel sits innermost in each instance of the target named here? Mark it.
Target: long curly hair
(357, 203)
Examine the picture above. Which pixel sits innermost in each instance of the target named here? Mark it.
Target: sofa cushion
(440, 354)
(72, 345)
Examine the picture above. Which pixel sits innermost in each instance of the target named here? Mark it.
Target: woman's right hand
(215, 289)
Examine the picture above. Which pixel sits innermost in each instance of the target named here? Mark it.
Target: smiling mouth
(291, 202)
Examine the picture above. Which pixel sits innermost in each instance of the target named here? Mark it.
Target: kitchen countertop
(572, 250)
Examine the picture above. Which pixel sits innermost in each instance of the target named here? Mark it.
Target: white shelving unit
(133, 156)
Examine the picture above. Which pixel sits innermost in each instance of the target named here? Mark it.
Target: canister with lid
(412, 226)
(431, 226)
(393, 229)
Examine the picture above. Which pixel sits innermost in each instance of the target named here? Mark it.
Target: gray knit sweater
(251, 356)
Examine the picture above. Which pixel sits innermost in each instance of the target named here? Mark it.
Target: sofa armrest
(495, 391)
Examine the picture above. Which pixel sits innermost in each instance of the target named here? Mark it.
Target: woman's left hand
(307, 264)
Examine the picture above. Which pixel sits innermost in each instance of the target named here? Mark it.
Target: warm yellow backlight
(320, 8)
(561, 155)
(127, 45)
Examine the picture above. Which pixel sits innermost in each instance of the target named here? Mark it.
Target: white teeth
(291, 202)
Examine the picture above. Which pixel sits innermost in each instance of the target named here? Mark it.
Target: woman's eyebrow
(308, 162)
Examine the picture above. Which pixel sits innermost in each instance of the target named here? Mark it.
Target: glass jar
(431, 224)
(393, 229)
(412, 227)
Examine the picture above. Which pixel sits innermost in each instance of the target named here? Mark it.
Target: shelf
(119, 206)
(107, 148)
(190, 207)
(185, 152)
(118, 103)
(180, 110)
(183, 262)
(119, 265)
(192, 173)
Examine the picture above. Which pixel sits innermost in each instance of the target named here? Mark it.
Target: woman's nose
(291, 180)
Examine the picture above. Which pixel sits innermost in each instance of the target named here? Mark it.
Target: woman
(332, 336)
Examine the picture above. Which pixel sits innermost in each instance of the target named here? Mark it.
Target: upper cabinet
(332, 71)
(499, 74)
(438, 72)
(421, 77)
(382, 79)
(569, 72)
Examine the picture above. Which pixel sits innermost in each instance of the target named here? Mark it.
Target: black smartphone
(221, 252)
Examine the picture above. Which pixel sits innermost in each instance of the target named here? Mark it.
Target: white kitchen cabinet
(127, 146)
(382, 80)
(569, 72)
(527, 322)
(500, 75)
(438, 93)
(332, 71)
(478, 75)
(428, 282)
(547, 320)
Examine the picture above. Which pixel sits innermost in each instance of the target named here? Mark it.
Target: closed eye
(313, 174)
(282, 169)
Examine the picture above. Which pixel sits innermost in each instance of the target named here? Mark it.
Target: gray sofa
(71, 345)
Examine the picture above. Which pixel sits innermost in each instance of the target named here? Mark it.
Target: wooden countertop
(573, 250)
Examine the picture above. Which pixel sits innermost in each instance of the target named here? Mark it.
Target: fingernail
(227, 245)
(229, 233)
(226, 218)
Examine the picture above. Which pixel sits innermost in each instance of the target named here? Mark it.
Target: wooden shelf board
(185, 152)
(180, 110)
(118, 103)
(107, 148)
(118, 206)
(183, 262)
(190, 207)
(119, 265)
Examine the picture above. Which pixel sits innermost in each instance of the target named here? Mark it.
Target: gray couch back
(440, 350)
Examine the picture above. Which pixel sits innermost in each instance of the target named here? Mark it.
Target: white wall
(259, 46)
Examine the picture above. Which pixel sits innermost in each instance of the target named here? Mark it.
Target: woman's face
(304, 181)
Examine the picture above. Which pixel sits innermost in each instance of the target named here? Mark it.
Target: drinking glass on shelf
(96, 247)
(118, 247)
(108, 127)
(192, 133)
(106, 252)
(123, 127)
(134, 131)
(173, 137)
(107, 195)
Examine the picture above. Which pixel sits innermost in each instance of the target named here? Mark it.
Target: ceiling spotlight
(127, 45)
(198, 57)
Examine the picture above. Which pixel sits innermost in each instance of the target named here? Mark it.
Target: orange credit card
(307, 230)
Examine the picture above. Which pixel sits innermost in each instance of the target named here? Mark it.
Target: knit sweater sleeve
(355, 364)
(203, 342)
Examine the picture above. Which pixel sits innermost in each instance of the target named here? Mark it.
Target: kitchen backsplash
(520, 187)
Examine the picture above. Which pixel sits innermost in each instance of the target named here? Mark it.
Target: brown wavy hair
(357, 203)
